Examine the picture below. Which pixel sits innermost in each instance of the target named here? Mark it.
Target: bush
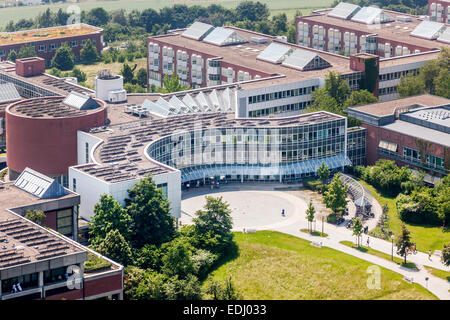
(203, 261)
(95, 263)
(419, 207)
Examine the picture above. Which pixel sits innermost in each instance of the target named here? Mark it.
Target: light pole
(392, 256)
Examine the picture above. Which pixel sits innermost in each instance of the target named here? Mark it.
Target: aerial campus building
(41, 259)
(242, 121)
(276, 77)
(412, 131)
(47, 40)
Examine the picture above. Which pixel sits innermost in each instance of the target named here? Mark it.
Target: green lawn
(380, 254)
(288, 6)
(426, 237)
(273, 265)
(315, 233)
(439, 273)
(91, 70)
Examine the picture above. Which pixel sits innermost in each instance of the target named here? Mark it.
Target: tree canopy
(335, 197)
(64, 59)
(109, 215)
(149, 209)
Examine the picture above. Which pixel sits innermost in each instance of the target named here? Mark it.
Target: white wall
(241, 110)
(91, 188)
(82, 139)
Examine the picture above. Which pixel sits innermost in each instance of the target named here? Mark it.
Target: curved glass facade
(254, 153)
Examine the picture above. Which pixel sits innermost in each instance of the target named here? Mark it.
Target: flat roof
(21, 241)
(122, 155)
(418, 131)
(48, 107)
(245, 54)
(24, 36)
(46, 81)
(387, 108)
(395, 31)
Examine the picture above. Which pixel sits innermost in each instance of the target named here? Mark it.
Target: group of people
(16, 288)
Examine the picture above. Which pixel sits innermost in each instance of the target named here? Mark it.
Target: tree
(109, 215)
(26, 52)
(88, 53)
(12, 56)
(64, 58)
(310, 214)
(446, 254)
(141, 77)
(177, 259)
(77, 73)
(335, 197)
(119, 17)
(358, 98)
(443, 83)
(97, 17)
(410, 86)
(149, 209)
(127, 73)
(337, 87)
(36, 216)
(404, 242)
(386, 176)
(324, 172)
(212, 226)
(172, 85)
(225, 290)
(253, 11)
(428, 74)
(115, 247)
(358, 230)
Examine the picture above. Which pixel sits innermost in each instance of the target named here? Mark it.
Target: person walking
(282, 212)
(429, 255)
(368, 241)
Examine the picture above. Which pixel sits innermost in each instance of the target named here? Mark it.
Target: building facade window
(64, 222)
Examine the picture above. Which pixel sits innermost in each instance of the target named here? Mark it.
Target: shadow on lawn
(231, 254)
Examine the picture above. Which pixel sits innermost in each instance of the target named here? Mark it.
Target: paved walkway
(267, 217)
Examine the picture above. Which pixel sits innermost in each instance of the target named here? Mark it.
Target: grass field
(439, 273)
(380, 254)
(288, 6)
(426, 237)
(91, 70)
(273, 265)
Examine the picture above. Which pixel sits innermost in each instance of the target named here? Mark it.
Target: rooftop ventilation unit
(258, 40)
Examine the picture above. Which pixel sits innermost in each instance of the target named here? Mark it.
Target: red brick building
(41, 260)
(47, 40)
(348, 29)
(413, 131)
(439, 10)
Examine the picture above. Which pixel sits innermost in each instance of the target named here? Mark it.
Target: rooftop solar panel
(344, 10)
(428, 30)
(8, 93)
(198, 30)
(445, 36)
(222, 36)
(275, 53)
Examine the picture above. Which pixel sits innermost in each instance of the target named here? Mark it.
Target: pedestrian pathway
(437, 286)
